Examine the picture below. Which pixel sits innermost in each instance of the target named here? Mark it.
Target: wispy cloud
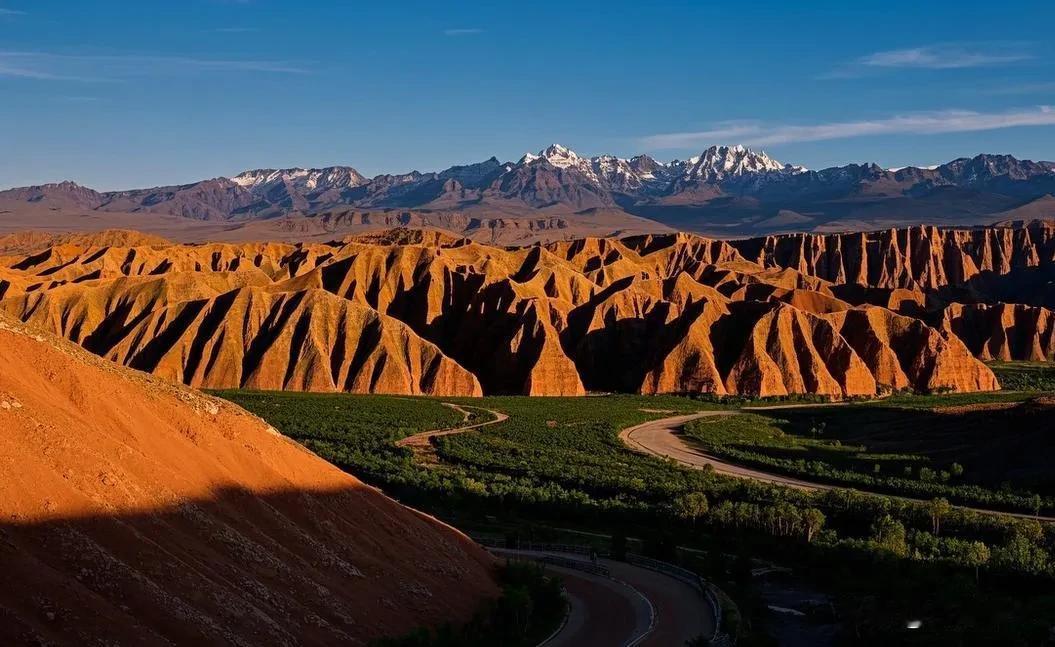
(10, 70)
(236, 30)
(11, 12)
(939, 56)
(79, 99)
(104, 68)
(922, 123)
(464, 31)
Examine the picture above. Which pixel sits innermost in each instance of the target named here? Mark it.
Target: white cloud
(100, 68)
(923, 123)
(462, 32)
(11, 12)
(943, 57)
(939, 56)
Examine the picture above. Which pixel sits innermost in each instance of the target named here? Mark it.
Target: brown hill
(137, 511)
(428, 313)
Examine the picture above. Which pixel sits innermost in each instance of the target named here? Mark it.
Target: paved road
(634, 606)
(681, 612)
(603, 611)
(663, 438)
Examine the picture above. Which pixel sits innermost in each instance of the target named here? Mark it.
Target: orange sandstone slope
(137, 511)
(925, 257)
(426, 313)
(1003, 331)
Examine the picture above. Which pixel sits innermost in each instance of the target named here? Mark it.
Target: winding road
(662, 438)
(632, 606)
(421, 443)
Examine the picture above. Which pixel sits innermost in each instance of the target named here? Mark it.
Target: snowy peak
(555, 154)
(332, 177)
(720, 162)
(643, 173)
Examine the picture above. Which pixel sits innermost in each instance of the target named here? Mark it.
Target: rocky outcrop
(905, 353)
(417, 312)
(915, 257)
(1004, 331)
(138, 511)
(303, 341)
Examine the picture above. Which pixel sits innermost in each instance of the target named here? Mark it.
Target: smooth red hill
(137, 511)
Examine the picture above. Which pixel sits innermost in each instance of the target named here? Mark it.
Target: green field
(1025, 376)
(558, 463)
(972, 455)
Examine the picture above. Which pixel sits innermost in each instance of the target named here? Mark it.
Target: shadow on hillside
(318, 567)
(1030, 285)
(996, 446)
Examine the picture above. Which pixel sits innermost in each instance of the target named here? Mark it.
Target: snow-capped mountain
(720, 162)
(643, 173)
(730, 184)
(332, 177)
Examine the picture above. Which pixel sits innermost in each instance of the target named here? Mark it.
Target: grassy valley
(558, 463)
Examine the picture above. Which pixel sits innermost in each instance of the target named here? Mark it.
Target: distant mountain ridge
(725, 188)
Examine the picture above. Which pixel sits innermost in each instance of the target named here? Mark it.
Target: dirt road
(421, 444)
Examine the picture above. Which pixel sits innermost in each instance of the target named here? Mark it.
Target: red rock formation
(137, 511)
(423, 312)
(303, 341)
(902, 352)
(1003, 331)
(916, 257)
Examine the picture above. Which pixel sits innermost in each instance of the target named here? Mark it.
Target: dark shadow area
(1003, 449)
(289, 567)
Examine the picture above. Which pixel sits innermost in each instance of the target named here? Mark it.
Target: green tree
(977, 556)
(1021, 554)
(812, 521)
(888, 534)
(939, 508)
(691, 506)
(956, 470)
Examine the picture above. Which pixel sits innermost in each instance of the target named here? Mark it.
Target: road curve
(662, 438)
(423, 440)
(634, 606)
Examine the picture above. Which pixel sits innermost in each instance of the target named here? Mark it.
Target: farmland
(558, 462)
(983, 455)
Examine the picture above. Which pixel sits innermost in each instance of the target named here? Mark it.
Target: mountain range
(726, 190)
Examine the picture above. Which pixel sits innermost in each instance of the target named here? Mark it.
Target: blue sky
(117, 94)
